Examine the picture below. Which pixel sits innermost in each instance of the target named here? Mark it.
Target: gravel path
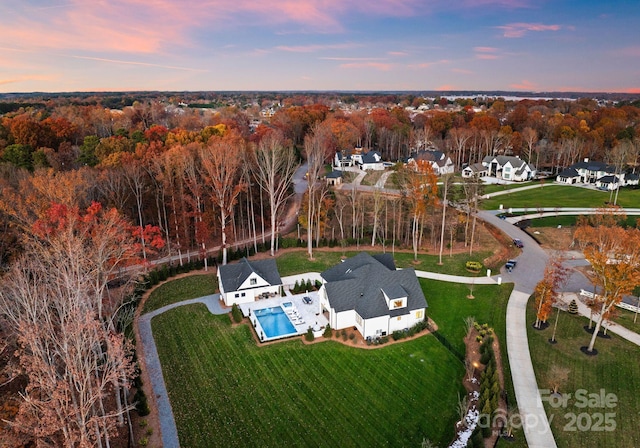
(165, 414)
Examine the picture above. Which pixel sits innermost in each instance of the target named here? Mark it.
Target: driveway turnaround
(165, 414)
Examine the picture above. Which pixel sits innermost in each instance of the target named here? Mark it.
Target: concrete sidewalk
(495, 280)
(534, 418)
(612, 327)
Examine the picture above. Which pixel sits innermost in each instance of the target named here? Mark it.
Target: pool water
(275, 323)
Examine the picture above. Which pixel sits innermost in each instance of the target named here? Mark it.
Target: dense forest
(93, 185)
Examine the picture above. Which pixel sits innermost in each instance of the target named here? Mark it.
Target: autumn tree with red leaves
(57, 301)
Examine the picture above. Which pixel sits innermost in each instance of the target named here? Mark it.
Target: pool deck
(310, 313)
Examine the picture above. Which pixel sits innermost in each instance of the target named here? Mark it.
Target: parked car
(510, 265)
(518, 243)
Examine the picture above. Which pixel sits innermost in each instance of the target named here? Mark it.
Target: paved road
(165, 414)
(528, 272)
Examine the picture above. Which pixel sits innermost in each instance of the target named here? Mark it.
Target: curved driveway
(165, 414)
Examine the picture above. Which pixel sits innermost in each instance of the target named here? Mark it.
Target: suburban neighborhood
(432, 282)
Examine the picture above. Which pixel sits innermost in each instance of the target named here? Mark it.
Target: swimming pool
(274, 323)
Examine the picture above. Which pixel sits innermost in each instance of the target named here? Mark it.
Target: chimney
(586, 159)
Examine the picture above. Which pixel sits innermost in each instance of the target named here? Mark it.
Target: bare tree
(315, 145)
(222, 161)
(275, 165)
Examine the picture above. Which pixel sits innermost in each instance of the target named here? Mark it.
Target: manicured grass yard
(290, 263)
(177, 290)
(561, 196)
(226, 391)
(615, 369)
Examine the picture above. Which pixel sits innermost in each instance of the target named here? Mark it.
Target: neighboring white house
(475, 170)
(371, 160)
(608, 183)
(369, 293)
(509, 168)
(342, 159)
(440, 162)
(568, 176)
(247, 281)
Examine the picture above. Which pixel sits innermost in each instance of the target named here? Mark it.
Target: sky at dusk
(520, 45)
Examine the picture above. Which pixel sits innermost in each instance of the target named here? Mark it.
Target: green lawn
(226, 391)
(493, 188)
(181, 289)
(290, 263)
(561, 196)
(615, 369)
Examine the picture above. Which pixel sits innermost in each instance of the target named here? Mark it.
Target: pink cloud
(397, 53)
(524, 85)
(487, 53)
(514, 30)
(447, 87)
(429, 64)
(315, 48)
(375, 65)
(462, 71)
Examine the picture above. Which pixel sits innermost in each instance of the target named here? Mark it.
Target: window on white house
(253, 281)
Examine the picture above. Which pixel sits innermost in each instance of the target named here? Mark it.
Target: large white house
(368, 292)
(440, 162)
(247, 281)
(509, 168)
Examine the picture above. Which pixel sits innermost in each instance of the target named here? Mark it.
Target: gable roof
(593, 166)
(234, 275)
(358, 284)
(476, 168)
(569, 172)
(334, 174)
(371, 157)
(515, 162)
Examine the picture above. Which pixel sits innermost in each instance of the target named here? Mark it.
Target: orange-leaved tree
(547, 290)
(614, 255)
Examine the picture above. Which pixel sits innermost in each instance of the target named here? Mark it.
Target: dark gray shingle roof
(358, 284)
(233, 275)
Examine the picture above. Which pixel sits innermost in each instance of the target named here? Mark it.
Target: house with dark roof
(602, 175)
(509, 168)
(247, 281)
(440, 162)
(368, 292)
(333, 178)
(475, 170)
(342, 159)
(568, 176)
(371, 160)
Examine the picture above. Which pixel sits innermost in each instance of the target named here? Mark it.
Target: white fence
(622, 305)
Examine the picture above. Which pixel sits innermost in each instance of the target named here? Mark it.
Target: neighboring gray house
(247, 281)
(369, 293)
(509, 168)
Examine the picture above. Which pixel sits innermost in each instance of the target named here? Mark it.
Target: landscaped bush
(328, 332)
(352, 336)
(309, 335)
(473, 265)
(236, 313)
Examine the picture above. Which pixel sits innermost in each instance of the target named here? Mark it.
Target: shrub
(309, 335)
(486, 357)
(143, 442)
(352, 336)
(573, 307)
(140, 399)
(397, 335)
(384, 339)
(473, 265)
(236, 313)
(328, 333)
